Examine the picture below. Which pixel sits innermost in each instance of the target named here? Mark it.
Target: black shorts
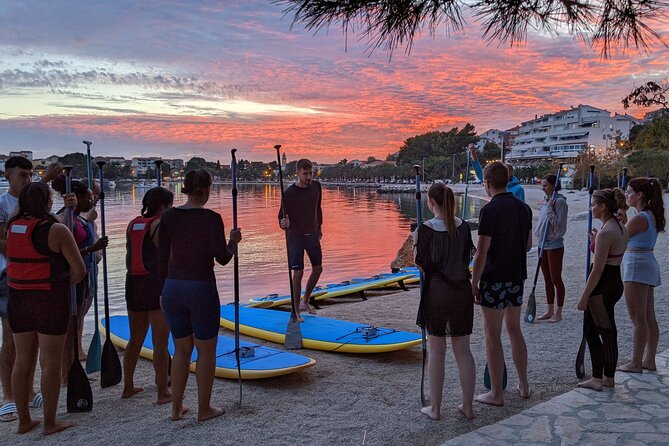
(298, 244)
(500, 295)
(44, 312)
(142, 293)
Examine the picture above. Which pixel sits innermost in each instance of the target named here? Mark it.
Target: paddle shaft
(283, 215)
(105, 284)
(73, 288)
(464, 200)
(158, 164)
(419, 221)
(235, 270)
(623, 180)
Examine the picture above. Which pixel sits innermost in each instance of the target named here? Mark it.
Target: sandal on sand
(8, 412)
(37, 402)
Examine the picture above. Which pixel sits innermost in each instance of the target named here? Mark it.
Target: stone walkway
(636, 412)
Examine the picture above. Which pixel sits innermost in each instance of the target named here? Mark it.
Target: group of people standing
(170, 283)
(443, 249)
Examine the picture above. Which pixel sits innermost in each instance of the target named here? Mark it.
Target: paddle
(623, 180)
(79, 394)
(423, 334)
(580, 356)
(235, 270)
(531, 309)
(111, 366)
(94, 355)
(158, 164)
(293, 339)
(464, 200)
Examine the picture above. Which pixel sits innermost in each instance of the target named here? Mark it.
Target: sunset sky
(195, 78)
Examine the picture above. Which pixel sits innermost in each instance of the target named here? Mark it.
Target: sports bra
(610, 256)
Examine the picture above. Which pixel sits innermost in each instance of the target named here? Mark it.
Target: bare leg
(139, 325)
(50, 359)
(435, 372)
(297, 291)
(550, 289)
(636, 297)
(653, 335)
(467, 372)
(311, 284)
(161, 357)
(206, 366)
(518, 348)
(26, 354)
(492, 323)
(555, 265)
(183, 348)
(7, 357)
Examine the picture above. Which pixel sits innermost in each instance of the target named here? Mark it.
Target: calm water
(363, 231)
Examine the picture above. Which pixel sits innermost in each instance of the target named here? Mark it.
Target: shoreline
(346, 398)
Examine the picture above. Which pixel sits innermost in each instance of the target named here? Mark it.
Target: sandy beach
(355, 399)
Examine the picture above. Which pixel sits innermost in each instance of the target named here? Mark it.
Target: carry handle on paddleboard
(233, 166)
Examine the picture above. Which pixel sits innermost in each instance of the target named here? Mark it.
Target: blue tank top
(647, 238)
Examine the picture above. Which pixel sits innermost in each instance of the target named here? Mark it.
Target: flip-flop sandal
(8, 412)
(37, 402)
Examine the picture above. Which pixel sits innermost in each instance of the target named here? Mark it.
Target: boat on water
(4, 182)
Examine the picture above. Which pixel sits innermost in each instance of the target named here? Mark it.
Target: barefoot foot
(648, 365)
(209, 413)
(630, 368)
(130, 391)
(469, 414)
(490, 399)
(544, 317)
(556, 318)
(524, 391)
(608, 382)
(430, 413)
(163, 398)
(178, 414)
(26, 427)
(592, 383)
(56, 427)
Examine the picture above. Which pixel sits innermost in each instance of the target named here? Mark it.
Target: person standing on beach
(443, 250)
(500, 270)
(554, 214)
(89, 245)
(191, 238)
(604, 288)
(303, 218)
(142, 293)
(513, 185)
(43, 262)
(641, 272)
(19, 173)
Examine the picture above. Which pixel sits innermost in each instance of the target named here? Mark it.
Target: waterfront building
(567, 133)
(141, 165)
(24, 153)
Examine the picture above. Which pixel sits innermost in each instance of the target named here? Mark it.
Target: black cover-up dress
(446, 304)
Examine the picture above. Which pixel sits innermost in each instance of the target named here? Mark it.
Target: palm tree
(604, 24)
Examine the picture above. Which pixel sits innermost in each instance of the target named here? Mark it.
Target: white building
(499, 137)
(567, 133)
(24, 153)
(141, 165)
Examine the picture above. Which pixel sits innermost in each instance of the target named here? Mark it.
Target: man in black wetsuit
(303, 219)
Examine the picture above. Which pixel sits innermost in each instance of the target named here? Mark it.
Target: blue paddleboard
(260, 361)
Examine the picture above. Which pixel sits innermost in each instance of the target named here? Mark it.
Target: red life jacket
(137, 230)
(27, 269)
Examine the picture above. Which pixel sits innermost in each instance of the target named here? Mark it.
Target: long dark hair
(34, 202)
(652, 194)
(196, 181)
(443, 196)
(154, 198)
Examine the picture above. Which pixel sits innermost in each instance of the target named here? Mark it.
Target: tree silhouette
(390, 24)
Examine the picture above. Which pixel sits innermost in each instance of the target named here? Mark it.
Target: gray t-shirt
(8, 205)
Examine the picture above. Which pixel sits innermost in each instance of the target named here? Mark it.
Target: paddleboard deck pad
(319, 333)
(256, 361)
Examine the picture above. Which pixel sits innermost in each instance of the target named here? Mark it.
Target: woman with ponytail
(604, 288)
(142, 294)
(443, 249)
(641, 272)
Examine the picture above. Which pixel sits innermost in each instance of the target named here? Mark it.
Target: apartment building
(567, 133)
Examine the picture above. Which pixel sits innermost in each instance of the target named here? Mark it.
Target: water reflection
(363, 231)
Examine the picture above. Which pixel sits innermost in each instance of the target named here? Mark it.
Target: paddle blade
(486, 378)
(111, 366)
(94, 356)
(79, 394)
(423, 400)
(293, 339)
(531, 310)
(580, 357)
